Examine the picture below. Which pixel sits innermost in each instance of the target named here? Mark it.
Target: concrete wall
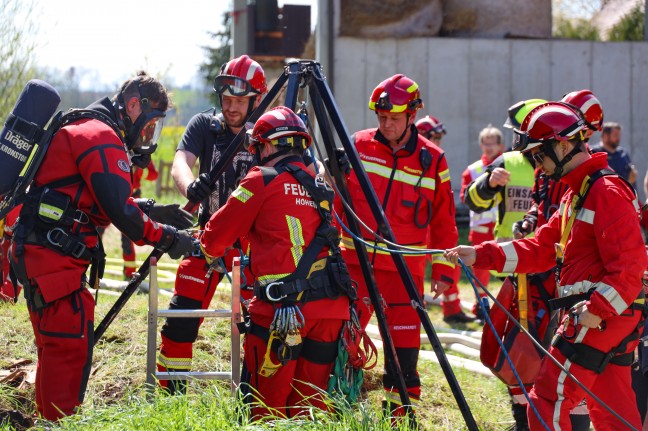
(469, 83)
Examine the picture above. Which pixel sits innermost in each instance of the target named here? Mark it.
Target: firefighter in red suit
(240, 86)
(84, 183)
(482, 224)
(412, 182)
(276, 209)
(595, 239)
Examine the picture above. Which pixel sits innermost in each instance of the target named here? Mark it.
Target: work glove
(172, 215)
(183, 243)
(342, 159)
(199, 189)
(522, 228)
(141, 160)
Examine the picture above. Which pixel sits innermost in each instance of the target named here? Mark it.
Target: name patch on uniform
(123, 165)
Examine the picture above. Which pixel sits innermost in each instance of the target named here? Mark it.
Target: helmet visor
(523, 142)
(148, 135)
(230, 85)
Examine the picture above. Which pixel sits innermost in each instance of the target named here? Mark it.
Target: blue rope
(485, 307)
(472, 277)
(389, 250)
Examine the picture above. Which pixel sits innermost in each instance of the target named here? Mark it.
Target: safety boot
(460, 317)
(520, 417)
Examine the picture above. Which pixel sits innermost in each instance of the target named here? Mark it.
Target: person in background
(482, 224)
(433, 129)
(618, 158)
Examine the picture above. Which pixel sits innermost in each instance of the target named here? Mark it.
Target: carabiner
(269, 296)
(573, 316)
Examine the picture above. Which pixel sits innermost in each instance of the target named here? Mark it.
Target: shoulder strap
(326, 234)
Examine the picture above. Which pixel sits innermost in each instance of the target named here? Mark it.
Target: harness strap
(594, 359)
(333, 276)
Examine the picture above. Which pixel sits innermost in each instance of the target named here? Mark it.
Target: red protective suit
(420, 210)
(279, 219)
(481, 225)
(605, 252)
(86, 162)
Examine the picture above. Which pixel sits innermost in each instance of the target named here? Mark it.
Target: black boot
(520, 417)
(580, 422)
(175, 387)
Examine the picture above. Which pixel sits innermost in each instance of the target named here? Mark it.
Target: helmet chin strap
(560, 164)
(400, 138)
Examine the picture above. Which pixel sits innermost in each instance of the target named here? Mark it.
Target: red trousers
(555, 394)
(294, 387)
(64, 337)
(402, 320)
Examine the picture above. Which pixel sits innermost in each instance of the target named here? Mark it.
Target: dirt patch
(15, 419)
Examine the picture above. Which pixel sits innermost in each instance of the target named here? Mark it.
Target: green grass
(116, 392)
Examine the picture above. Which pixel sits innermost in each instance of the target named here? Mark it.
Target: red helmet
(279, 126)
(547, 122)
(240, 77)
(429, 125)
(396, 94)
(588, 105)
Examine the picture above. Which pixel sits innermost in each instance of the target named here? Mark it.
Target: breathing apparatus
(140, 137)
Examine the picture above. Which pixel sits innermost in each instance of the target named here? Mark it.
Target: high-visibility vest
(516, 196)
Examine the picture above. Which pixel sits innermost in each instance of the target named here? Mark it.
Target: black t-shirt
(208, 145)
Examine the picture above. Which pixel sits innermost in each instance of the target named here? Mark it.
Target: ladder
(234, 314)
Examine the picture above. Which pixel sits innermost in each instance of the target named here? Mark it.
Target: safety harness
(312, 280)
(50, 219)
(581, 354)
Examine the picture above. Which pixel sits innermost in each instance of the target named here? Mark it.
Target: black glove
(199, 189)
(343, 161)
(522, 228)
(141, 160)
(183, 243)
(172, 215)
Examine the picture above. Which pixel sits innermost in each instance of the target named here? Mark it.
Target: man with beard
(618, 158)
(240, 86)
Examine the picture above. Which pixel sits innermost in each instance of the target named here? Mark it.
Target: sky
(108, 41)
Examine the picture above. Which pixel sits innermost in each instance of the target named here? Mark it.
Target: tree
(630, 28)
(575, 28)
(219, 55)
(16, 48)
